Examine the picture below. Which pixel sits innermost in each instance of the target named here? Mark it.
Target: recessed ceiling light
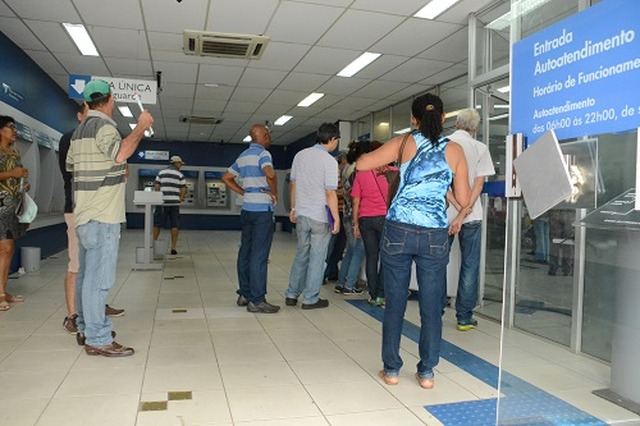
(361, 61)
(282, 120)
(504, 89)
(435, 8)
(80, 37)
(125, 111)
(452, 113)
(310, 100)
(401, 131)
(383, 124)
(212, 85)
(247, 139)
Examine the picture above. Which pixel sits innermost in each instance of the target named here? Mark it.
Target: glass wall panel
(364, 127)
(382, 125)
(401, 114)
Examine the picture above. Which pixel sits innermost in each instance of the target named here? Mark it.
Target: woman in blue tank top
(417, 230)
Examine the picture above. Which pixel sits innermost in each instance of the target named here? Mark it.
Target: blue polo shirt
(248, 166)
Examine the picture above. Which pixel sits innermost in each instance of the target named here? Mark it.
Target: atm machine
(217, 191)
(191, 178)
(146, 179)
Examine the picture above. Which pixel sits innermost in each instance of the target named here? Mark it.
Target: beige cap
(176, 159)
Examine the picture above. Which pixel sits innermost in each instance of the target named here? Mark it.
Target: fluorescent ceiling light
(501, 106)
(80, 37)
(310, 100)
(361, 61)
(504, 89)
(523, 7)
(402, 131)
(125, 111)
(498, 117)
(247, 139)
(282, 120)
(452, 113)
(383, 124)
(435, 8)
(212, 85)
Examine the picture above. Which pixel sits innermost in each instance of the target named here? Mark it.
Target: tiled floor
(292, 368)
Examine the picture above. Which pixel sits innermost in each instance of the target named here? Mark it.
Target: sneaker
(339, 289)
(174, 251)
(242, 301)
(113, 312)
(352, 291)
(380, 301)
(321, 303)
(263, 307)
(69, 324)
(467, 325)
(112, 350)
(289, 301)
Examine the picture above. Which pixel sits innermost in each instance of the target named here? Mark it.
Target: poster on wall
(580, 76)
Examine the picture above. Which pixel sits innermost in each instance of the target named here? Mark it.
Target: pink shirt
(372, 189)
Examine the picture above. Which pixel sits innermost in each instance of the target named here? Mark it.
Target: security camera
(179, 1)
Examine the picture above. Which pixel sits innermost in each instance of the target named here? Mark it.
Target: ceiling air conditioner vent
(224, 45)
(199, 119)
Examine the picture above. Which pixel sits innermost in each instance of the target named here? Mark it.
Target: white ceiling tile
(326, 60)
(447, 74)
(415, 70)
(102, 13)
(301, 22)
(176, 57)
(243, 94)
(260, 78)
(414, 36)
(287, 97)
(177, 90)
(232, 17)
(354, 103)
(174, 17)
(119, 43)
(46, 61)
(55, 10)
(381, 66)
(240, 106)
(358, 30)
(459, 12)
(380, 89)
(342, 85)
(281, 56)
(303, 82)
(443, 52)
(53, 35)
(343, 3)
(5, 11)
(173, 72)
(77, 64)
(130, 68)
(222, 93)
(20, 34)
(168, 42)
(209, 106)
(219, 74)
(404, 7)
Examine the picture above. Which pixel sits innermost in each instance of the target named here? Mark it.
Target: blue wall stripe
(522, 404)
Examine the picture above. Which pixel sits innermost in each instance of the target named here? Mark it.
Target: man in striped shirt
(97, 157)
(174, 188)
(259, 191)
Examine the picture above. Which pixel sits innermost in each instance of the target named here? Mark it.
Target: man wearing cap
(97, 158)
(259, 191)
(174, 188)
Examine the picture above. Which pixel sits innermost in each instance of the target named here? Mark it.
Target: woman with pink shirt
(369, 193)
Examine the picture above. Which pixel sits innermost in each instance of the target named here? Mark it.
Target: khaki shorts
(74, 261)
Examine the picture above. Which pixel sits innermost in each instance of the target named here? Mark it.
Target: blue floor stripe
(523, 404)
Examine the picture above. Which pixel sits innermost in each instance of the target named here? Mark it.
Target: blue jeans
(402, 244)
(253, 256)
(371, 229)
(98, 255)
(352, 261)
(307, 270)
(467, 297)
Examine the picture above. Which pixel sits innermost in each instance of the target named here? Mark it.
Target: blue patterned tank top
(424, 181)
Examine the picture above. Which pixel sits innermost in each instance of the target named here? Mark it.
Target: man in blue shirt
(259, 191)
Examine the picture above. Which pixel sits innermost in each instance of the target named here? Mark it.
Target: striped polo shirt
(98, 180)
(171, 181)
(248, 166)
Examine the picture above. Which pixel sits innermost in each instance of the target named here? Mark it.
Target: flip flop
(390, 380)
(14, 299)
(4, 306)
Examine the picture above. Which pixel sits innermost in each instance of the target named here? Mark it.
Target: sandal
(14, 299)
(4, 306)
(425, 383)
(390, 380)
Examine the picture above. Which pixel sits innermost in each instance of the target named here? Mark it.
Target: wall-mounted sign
(617, 213)
(8, 92)
(580, 76)
(213, 175)
(123, 89)
(154, 155)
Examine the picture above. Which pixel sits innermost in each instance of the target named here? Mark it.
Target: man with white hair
(480, 165)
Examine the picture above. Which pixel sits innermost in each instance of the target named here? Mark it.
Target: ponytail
(427, 110)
